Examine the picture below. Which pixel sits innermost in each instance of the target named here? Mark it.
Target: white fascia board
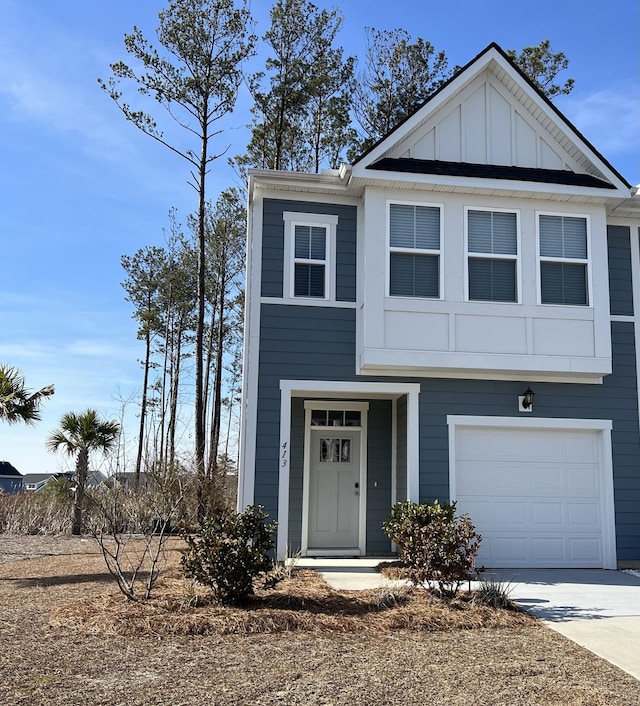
(262, 178)
(529, 189)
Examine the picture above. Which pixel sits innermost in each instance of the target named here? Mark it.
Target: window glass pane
(479, 231)
(310, 242)
(563, 283)
(492, 280)
(318, 417)
(575, 237)
(492, 232)
(505, 233)
(414, 226)
(414, 275)
(427, 227)
(302, 238)
(352, 419)
(336, 418)
(563, 236)
(402, 226)
(309, 280)
(318, 243)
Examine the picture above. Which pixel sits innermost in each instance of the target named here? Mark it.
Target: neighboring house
(10, 478)
(37, 481)
(399, 309)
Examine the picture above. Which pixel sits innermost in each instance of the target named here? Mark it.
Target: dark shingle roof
(6, 469)
(488, 171)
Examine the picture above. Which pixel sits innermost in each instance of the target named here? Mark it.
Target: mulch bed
(68, 636)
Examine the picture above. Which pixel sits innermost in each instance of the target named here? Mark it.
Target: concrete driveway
(599, 610)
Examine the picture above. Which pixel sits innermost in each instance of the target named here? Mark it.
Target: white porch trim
(318, 389)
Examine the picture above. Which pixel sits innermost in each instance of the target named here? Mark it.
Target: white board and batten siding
(539, 491)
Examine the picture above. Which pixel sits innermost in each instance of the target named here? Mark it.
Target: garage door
(537, 496)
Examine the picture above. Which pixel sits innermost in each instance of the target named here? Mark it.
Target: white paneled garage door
(538, 497)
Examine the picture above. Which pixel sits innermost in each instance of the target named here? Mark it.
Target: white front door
(334, 489)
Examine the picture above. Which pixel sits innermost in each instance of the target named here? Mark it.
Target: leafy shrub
(229, 551)
(438, 548)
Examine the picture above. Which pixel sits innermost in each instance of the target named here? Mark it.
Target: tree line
(313, 106)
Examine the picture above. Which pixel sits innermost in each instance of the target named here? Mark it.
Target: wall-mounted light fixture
(525, 400)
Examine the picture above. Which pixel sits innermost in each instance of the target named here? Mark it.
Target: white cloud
(608, 118)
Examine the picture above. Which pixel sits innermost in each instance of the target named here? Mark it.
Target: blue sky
(80, 187)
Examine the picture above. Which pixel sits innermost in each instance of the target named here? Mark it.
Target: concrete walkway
(599, 610)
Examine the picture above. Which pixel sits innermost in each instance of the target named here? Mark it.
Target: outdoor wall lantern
(525, 401)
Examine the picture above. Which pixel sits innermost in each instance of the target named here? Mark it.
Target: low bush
(437, 547)
(229, 551)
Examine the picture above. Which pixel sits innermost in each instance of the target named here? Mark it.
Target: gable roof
(7, 469)
(491, 118)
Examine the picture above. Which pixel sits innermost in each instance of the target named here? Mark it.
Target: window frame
(568, 260)
(415, 251)
(493, 256)
(314, 220)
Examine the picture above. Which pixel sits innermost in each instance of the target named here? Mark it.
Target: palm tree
(17, 404)
(78, 435)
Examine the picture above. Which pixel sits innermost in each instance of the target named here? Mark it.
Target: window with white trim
(414, 251)
(563, 259)
(310, 247)
(492, 252)
(310, 261)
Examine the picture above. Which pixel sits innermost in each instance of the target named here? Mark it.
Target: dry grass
(66, 633)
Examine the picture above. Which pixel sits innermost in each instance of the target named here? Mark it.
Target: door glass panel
(335, 450)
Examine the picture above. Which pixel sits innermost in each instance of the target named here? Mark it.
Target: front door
(334, 490)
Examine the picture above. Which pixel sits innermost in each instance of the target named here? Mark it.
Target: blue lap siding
(316, 343)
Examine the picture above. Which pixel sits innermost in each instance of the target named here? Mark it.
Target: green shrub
(229, 551)
(438, 548)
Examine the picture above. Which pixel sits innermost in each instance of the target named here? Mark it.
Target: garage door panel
(547, 515)
(507, 550)
(547, 549)
(583, 515)
(585, 551)
(533, 494)
(545, 478)
(582, 478)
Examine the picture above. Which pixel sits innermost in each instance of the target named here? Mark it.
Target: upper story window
(414, 251)
(310, 246)
(310, 261)
(563, 260)
(492, 248)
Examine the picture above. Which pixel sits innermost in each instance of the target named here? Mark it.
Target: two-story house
(453, 316)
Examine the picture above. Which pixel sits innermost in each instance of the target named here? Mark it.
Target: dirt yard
(113, 653)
